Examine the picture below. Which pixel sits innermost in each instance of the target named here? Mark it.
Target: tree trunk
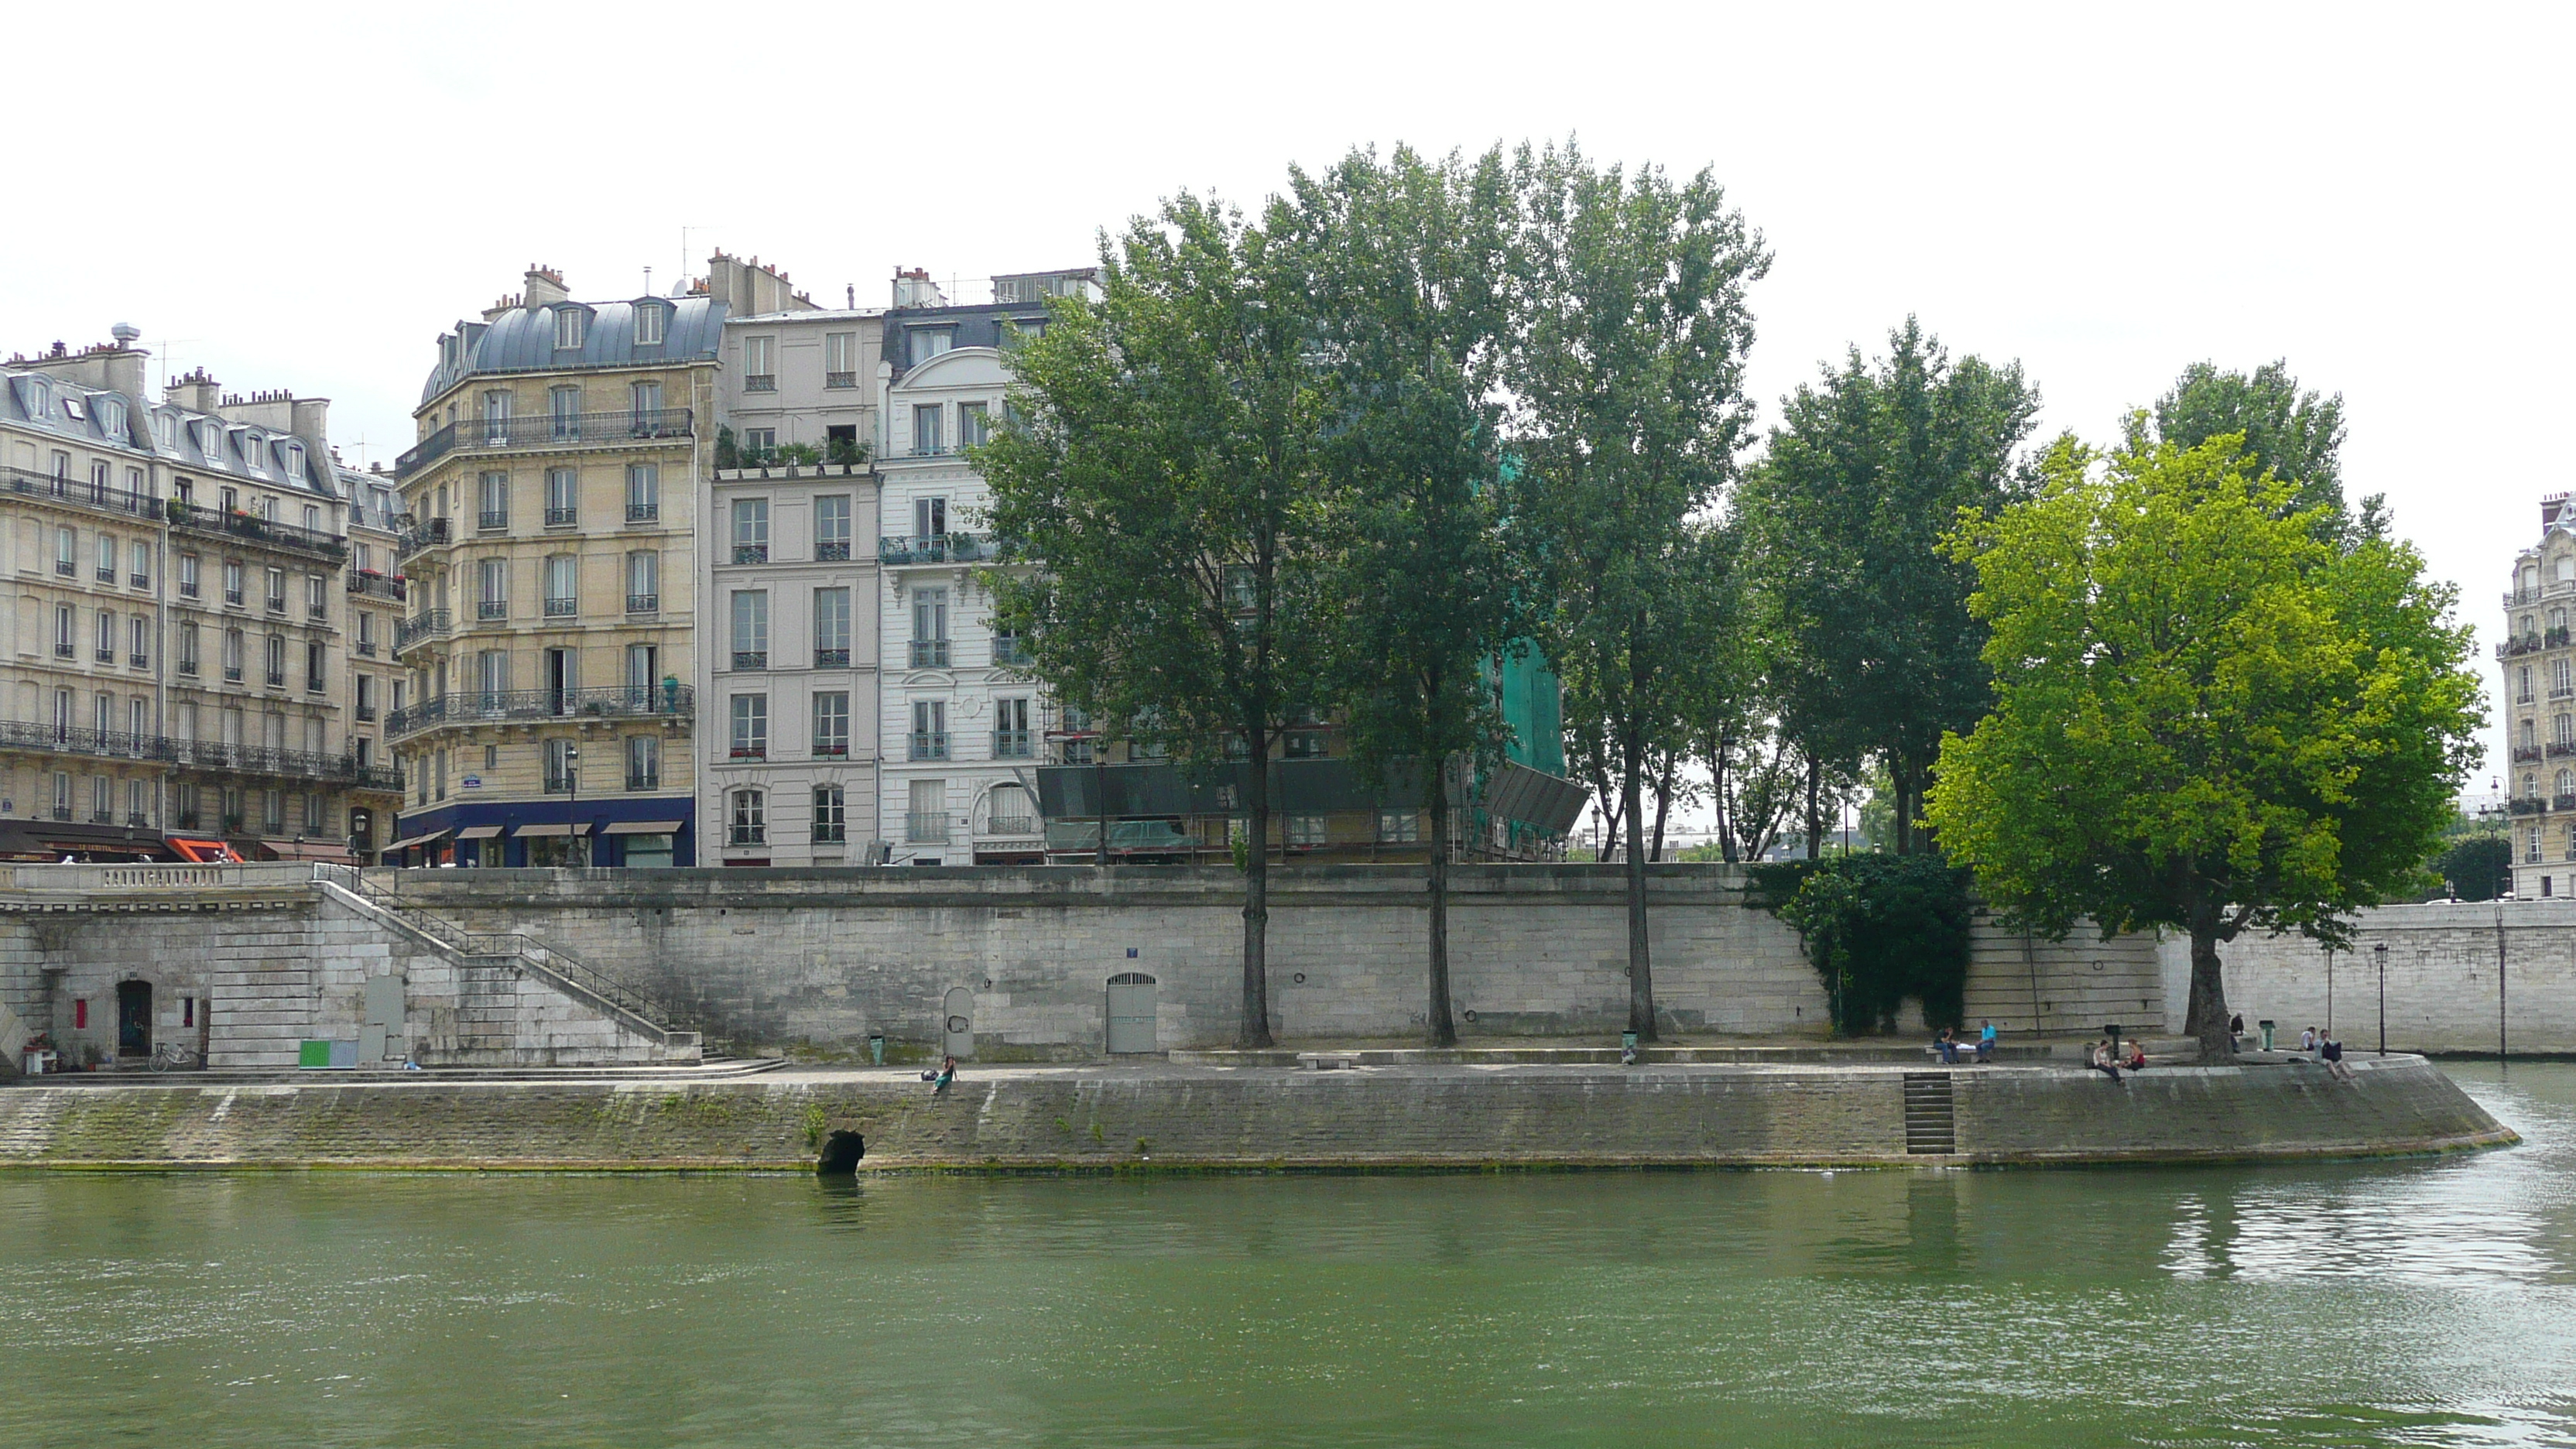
(1726, 847)
(1664, 801)
(1255, 1031)
(1815, 811)
(1641, 974)
(1442, 1030)
(2207, 1017)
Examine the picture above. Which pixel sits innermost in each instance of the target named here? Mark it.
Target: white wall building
(964, 728)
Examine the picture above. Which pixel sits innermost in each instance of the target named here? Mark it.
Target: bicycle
(171, 1056)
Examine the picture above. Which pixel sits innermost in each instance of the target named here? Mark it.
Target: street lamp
(2380, 954)
(572, 813)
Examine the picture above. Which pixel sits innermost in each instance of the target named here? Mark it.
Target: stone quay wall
(2462, 978)
(1180, 1118)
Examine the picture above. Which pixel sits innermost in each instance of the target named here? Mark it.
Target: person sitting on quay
(1947, 1044)
(1985, 1041)
(2308, 1043)
(940, 1079)
(2103, 1060)
(2137, 1061)
(2330, 1052)
(2236, 1032)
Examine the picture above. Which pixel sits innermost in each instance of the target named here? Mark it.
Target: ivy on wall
(1878, 928)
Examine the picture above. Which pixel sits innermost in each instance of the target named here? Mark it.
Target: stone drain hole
(841, 1154)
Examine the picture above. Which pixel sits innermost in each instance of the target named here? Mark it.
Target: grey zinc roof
(14, 391)
(523, 340)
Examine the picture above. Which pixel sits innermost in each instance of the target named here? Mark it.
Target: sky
(305, 197)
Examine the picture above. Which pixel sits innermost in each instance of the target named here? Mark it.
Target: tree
(1159, 460)
(1872, 466)
(2476, 867)
(1626, 375)
(2206, 716)
(1407, 261)
(2295, 436)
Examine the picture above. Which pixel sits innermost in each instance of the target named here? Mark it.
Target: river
(2412, 1302)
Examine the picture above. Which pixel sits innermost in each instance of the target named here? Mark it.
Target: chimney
(197, 392)
(313, 420)
(2552, 507)
(915, 289)
(545, 286)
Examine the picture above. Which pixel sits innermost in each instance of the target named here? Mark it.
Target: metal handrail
(545, 430)
(667, 701)
(258, 530)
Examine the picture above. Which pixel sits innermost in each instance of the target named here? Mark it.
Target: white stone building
(2540, 706)
(964, 729)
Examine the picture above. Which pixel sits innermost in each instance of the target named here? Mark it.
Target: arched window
(2567, 782)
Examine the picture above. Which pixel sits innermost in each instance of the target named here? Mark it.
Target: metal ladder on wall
(1931, 1121)
(568, 972)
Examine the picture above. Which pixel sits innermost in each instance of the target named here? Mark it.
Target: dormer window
(251, 457)
(38, 399)
(165, 426)
(449, 348)
(569, 324)
(110, 412)
(294, 452)
(928, 342)
(210, 441)
(649, 319)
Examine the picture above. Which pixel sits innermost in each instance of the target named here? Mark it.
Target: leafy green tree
(2206, 716)
(1878, 928)
(1872, 465)
(1160, 459)
(2476, 866)
(1626, 375)
(2294, 435)
(1407, 261)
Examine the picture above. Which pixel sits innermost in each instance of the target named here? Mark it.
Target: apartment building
(174, 649)
(371, 685)
(550, 571)
(788, 771)
(2538, 656)
(963, 721)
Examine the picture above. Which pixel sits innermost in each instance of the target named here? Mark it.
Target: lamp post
(572, 813)
(2379, 953)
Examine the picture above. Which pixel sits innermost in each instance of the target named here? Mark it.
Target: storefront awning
(641, 827)
(479, 832)
(323, 850)
(543, 832)
(415, 841)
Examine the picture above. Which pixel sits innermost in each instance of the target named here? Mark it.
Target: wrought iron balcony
(493, 520)
(643, 512)
(840, 379)
(831, 658)
(643, 603)
(1010, 744)
(198, 754)
(750, 553)
(544, 430)
(760, 382)
(746, 835)
(366, 647)
(831, 832)
(562, 517)
(2525, 752)
(925, 827)
(669, 701)
(749, 749)
(288, 536)
(929, 653)
(929, 745)
(86, 496)
(747, 659)
(832, 749)
(833, 551)
(1015, 825)
(2528, 805)
(938, 548)
(420, 626)
(375, 585)
(491, 608)
(562, 608)
(422, 535)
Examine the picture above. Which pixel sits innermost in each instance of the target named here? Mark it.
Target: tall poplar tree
(1626, 374)
(1160, 464)
(1407, 261)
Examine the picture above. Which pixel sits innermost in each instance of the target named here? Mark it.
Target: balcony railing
(643, 512)
(2563, 802)
(544, 430)
(420, 626)
(289, 536)
(2525, 752)
(929, 745)
(831, 832)
(89, 497)
(840, 379)
(139, 581)
(367, 647)
(832, 749)
(748, 749)
(562, 517)
(2528, 805)
(491, 608)
(198, 754)
(420, 536)
(833, 551)
(376, 586)
(276, 603)
(938, 548)
(673, 701)
(929, 654)
(746, 835)
(648, 781)
(831, 658)
(750, 553)
(1010, 744)
(760, 382)
(562, 608)
(493, 520)
(925, 827)
(1016, 825)
(751, 659)
(643, 603)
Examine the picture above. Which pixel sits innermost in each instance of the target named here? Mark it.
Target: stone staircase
(1931, 1119)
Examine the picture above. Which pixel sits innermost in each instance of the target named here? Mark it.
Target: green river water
(2414, 1302)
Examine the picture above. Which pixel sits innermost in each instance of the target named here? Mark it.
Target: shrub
(1878, 928)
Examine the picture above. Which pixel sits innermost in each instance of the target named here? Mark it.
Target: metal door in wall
(957, 1030)
(1131, 1013)
(380, 1038)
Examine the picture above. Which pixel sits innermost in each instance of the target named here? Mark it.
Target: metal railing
(834, 551)
(492, 520)
(562, 517)
(1010, 744)
(831, 658)
(929, 745)
(1013, 825)
(840, 379)
(750, 553)
(643, 512)
(77, 493)
(422, 535)
(760, 382)
(643, 603)
(562, 608)
(929, 654)
(491, 608)
(420, 626)
(544, 430)
(832, 749)
(675, 701)
(751, 659)
(294, 537)
(2525, 752)
(938, 548)
(925, 827)
(197, 754)
(746, 835)
(2527, 805)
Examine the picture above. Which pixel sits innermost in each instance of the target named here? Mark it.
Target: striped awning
(408, 843)
(544, 832)
(641, 827)
(479, 832)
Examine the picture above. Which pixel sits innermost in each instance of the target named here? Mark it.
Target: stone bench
(1328, 1061)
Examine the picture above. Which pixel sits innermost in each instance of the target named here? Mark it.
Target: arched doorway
(1131, 1013)
(957, 1025)
(134, 1018)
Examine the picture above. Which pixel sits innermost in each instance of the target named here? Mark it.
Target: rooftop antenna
(648, 281)
(161, 355)
(685, 229)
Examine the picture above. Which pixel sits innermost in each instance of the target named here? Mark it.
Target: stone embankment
(1183, 1117)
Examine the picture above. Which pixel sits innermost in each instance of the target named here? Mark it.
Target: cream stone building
(174, 649)
(2539, 663)
(551, 574)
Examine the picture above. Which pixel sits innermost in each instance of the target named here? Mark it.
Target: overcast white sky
(306, 197)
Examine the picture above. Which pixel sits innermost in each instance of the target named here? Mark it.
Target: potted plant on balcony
(728, 452)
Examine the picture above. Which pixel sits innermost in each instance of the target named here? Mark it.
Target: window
(570, 323)
(139, 642)
(2566, 727)
(64, 647)
(929, 729)
(102, 799)
(277, 591)
(1011, 729)
(840, 359)
(492, 502)
(366, 698)
(649, 317)
(831, 527)
(2523, 678)
(1008, 651)
(233, 644)
(925, 429)
(2561, 681)
(1007, 812)
(233, 582)
(927, 819)
(66, 552)
(832, 724)
(106, 647)
(107, 558)
(492, 677)
(759, 364)
(832, 628)
(317, 597)
(313, 678)
(139, 565)
(751, 629)
(642, 665)
(647, 398)
(643, 492)
(643, 581)
(188, 648)
(272, 811)
(930, 628)
(972, 426)
(750, 530)
(758, 444)
(750, 819)
(563, 585)
(750, 727)
(563, 497)
(1306, 830)
(187, 576)
(1304, 744)
(1399, 827)
(928, 342)
(492, 582)
(643, 762)
(563, 764)
(496, 417)
(830, 825)
(930, 518)
(136, 806)
(277, 661)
